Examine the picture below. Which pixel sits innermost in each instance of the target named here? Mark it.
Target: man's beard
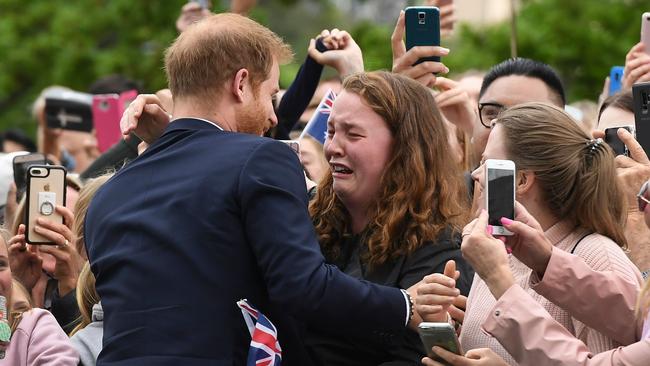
(251, 119)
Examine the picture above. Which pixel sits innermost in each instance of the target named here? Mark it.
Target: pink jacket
(39, 341)
(603, 300)
(533, 337)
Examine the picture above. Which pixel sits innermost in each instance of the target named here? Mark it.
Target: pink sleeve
(48, 343)
(590, 295)
(529, 333)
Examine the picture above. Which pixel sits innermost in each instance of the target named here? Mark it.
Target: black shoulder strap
(578, 242)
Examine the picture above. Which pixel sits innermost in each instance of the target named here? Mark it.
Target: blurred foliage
(582, 39)
(73, 43)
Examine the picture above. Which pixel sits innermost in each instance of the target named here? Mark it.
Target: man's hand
(145, 117)
(632, 171)
(637, 66)
(475, 357)
(436, 293)
(456, 105)
(403, 61)
(344, 54)
(25, 263)
(487, 255)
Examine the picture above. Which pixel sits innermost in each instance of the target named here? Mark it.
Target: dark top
(403, 348)
(297, 97)
(203, 219)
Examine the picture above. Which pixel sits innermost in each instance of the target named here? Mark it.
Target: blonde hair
(86, 195)
(87, 297)
(211, 52)
(577, 174)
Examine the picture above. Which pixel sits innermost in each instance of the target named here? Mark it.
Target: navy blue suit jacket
(203, 219)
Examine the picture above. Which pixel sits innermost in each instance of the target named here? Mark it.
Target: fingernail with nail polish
(506, 221)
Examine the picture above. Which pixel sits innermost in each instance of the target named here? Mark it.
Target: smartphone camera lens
(421, 16)
(36, 171)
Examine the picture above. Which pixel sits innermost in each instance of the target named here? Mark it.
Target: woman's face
(5, 271)
(494, 149)
(358, 147)
(615, 117)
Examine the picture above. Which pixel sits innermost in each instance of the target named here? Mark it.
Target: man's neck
(221, 114)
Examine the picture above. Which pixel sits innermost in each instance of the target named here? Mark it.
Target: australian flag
(317, 125)
(264, 349)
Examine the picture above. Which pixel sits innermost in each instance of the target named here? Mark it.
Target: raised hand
(146, 117)
(343, 53)
(404, 62)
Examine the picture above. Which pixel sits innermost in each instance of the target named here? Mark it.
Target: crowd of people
(202, 238)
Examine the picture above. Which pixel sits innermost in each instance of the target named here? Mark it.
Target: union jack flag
(317, 125)
(264, 349)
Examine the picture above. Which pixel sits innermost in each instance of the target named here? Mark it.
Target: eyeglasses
(641, 199)
(489, 111)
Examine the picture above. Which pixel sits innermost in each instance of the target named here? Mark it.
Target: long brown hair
(81, 207)
(422, 192)
(577, 174)
(87, 297)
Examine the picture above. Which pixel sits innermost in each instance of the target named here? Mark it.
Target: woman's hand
(68, 261)
(25, 262)
(487, 255)
(475, 357)
(528, 244)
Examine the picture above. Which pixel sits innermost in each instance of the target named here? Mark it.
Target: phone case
(614, 142)
(439, 334)
(106, 115)
(20, 164)
(422, 28)
(44, 193)
(498, 165)
(645, 31)
(69, 110)
(641, 94)
(615, 79)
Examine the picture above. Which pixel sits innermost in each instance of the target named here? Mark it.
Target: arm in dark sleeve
(273, 199)
(432, 257)
(66, 310)
(113, 158)
(296, 99)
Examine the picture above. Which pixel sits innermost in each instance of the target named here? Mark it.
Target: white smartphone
(500, 193)
(45, 191)
(441, 335)
(645, 31)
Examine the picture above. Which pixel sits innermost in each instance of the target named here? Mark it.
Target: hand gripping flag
(264, 349)
(317, 125)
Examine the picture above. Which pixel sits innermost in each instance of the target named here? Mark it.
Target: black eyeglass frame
(480, 112)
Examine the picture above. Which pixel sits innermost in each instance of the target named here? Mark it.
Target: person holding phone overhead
(567, 181)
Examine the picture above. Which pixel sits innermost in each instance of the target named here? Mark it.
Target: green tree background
(72, 43)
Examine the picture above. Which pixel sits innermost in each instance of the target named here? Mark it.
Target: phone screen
(612, 139)
(501, 185)
(20, 164)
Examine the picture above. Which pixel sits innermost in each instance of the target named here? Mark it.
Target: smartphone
(641, 95)
(106, 117)
(612, 139)
(45, 190)
(422, 28)
(500, 193)
(645, 31)
(21, 163)
(294, 145)
(615, 79)
(69, 110)
(441, 335)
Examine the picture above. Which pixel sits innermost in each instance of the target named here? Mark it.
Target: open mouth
(340, 169)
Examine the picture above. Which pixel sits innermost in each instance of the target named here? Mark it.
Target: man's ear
(525, 181)
(239, 84)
